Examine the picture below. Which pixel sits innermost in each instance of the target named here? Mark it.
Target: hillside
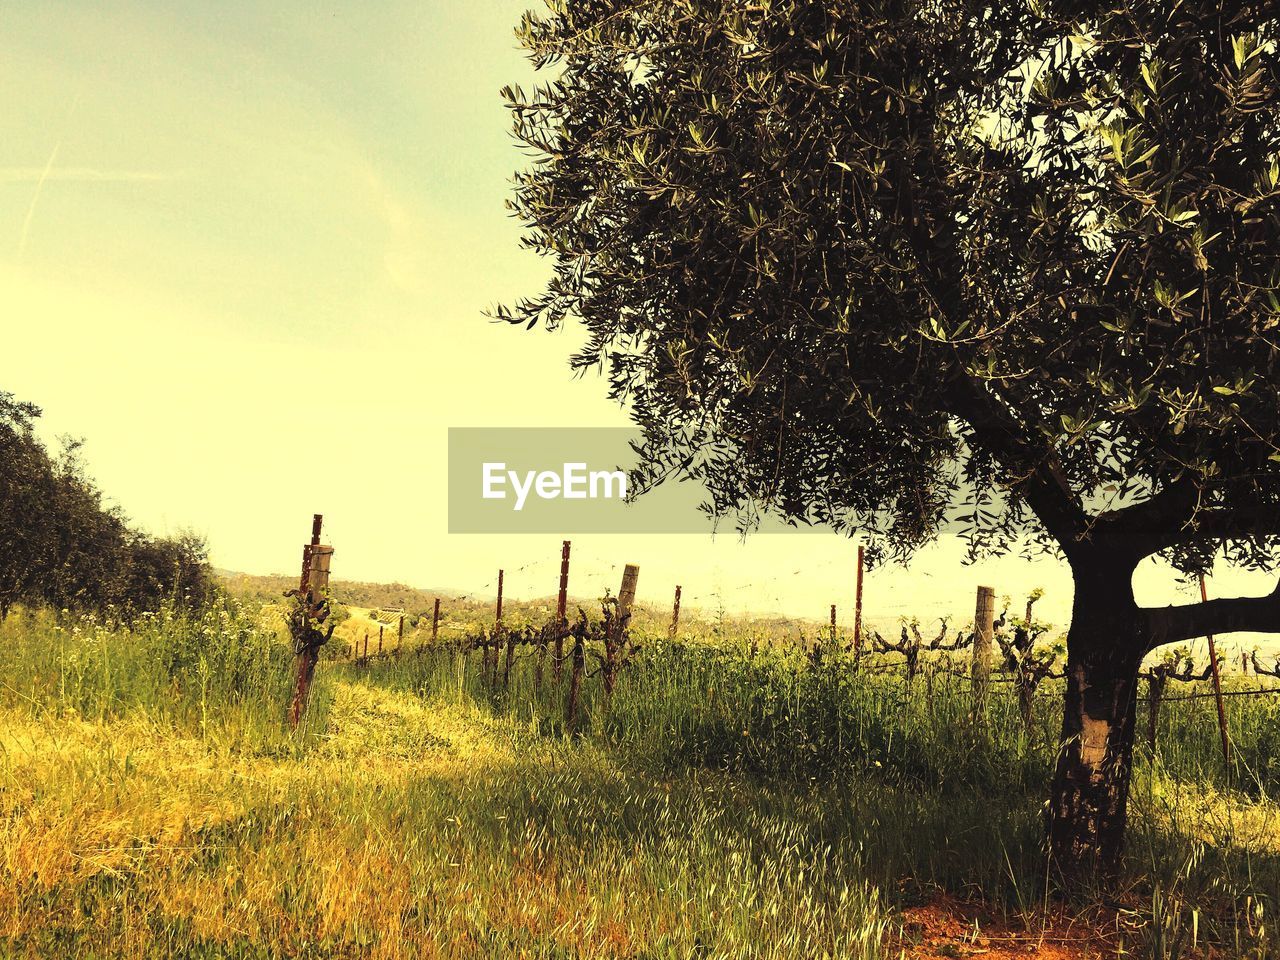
(459, 609)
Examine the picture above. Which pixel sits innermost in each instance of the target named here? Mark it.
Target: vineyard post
(857, 608)
(435, 627)
(616, 637)
(311, 609)
(1217, 690)
(675, 614)
(983, 631)
(399, 635)
(380, 628)
(491, 652)
(366, 648)
(562, 599)
(833, 626)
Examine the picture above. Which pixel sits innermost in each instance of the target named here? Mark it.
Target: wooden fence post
(1217, 691)
(857, 608)
(400, 635)
(833, 626)
(311, 608)
(380, 628)
(616, 638)
(497, 621)
(492, 649)
(983, 631)
(435, 628)
(675, 615)
(562, 600)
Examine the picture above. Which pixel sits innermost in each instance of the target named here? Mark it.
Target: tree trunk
(1089, 796)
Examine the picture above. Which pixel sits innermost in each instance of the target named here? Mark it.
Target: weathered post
(380, 629)
(310, 609)
(497, 622)
(1217, 690)
(400, 635)
(491, 651)
(616, 637)
(562, 599)
(833, 626)
(983, 631)
(857, 607)
(435, 622)
(675, 615)
(366, 648)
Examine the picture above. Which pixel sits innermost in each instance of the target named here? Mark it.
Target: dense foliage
(61, 545)
(893, 264)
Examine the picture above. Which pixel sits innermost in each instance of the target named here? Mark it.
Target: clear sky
(245, 251)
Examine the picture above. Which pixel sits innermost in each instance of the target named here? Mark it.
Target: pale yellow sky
(245, 251)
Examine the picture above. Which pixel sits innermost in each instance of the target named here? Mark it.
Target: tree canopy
(892, 265)
(61, 545)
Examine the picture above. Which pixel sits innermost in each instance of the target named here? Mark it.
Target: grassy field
(728, 803)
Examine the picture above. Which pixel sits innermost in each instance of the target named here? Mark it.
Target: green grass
(726, 804)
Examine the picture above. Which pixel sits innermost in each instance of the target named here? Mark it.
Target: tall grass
(945, 799)
(726, 802)
(222, 669)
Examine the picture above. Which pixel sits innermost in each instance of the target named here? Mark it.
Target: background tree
(61, 545)
(889, 266)
(26, 487)
(89, 557)
(175, 569)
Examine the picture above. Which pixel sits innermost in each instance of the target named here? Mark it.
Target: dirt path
(947, 928)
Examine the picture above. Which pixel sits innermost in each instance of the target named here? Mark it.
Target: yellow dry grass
(135, 802)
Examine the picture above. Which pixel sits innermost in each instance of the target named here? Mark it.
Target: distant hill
(461, 611)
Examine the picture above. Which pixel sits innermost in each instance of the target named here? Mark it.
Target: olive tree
(892, 266)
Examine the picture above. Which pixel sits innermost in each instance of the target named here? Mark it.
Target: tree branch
(1217, 523)
(1172, 517)
(1175, 624)
(1041, 483)
(931, 233)
(1148, 527)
